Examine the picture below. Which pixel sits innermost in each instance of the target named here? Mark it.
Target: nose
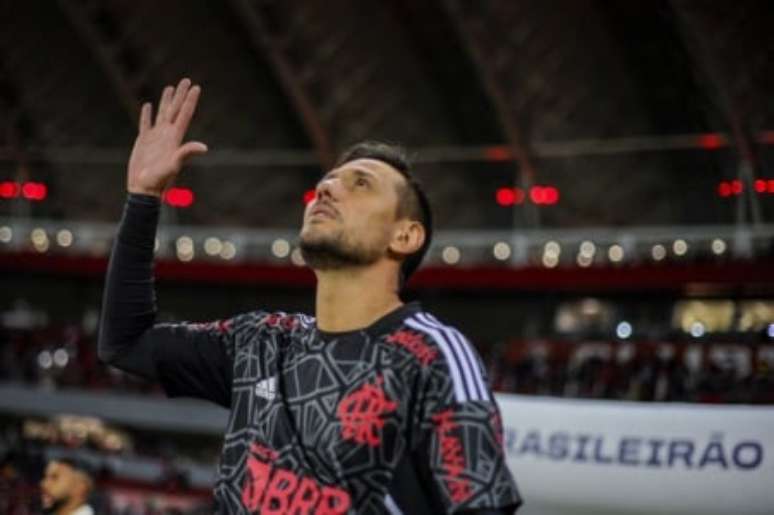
(326, 188)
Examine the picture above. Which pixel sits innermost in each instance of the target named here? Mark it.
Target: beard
(54, 506)
(333, 252)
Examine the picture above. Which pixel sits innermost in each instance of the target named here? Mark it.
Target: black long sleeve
(188, 359)
(129, 303)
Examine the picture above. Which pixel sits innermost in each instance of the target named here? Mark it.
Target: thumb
(190, 149)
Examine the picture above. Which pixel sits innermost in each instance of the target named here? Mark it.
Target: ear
(407, 238)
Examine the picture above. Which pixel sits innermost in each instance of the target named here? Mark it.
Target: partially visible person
(65, 488)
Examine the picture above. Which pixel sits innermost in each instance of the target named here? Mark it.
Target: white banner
(616, 457)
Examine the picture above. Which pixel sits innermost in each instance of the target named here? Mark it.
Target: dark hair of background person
(412, 200)
(76, 464)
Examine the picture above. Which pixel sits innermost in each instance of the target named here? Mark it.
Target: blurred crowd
(58, 356)
(688, 371)
(637, 371)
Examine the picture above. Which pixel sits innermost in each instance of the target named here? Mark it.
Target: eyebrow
(360, 172)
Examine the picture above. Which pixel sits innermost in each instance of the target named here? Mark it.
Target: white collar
(85, 509)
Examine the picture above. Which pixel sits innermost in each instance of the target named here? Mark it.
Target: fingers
(177, 100)
(145, 117)
(176, 106)
(189, 149)
(188, 109)
(166, 98)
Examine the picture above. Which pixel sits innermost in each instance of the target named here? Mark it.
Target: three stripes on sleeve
(464, 364)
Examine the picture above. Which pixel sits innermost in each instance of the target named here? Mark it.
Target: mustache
(326, 205)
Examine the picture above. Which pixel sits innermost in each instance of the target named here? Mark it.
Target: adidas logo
(267, 388)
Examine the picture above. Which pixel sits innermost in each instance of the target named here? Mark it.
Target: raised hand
(159, 152)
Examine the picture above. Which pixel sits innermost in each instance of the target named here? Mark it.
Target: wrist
(144, 191)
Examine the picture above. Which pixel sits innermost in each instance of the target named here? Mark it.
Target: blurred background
(601, 173)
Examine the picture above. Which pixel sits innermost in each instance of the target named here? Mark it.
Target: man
(65, 488)
(372, 406)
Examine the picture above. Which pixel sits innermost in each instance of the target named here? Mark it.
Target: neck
(70, 506)
(354, 298)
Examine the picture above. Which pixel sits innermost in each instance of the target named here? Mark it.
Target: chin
(314, 234)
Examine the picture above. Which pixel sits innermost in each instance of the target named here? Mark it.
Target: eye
(360, 181)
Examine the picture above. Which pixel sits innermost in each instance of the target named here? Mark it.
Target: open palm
(159, 153)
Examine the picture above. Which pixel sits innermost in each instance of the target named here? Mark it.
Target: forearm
(129, 305)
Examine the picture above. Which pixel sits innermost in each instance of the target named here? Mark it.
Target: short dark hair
(75, 463)
(412, 200)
